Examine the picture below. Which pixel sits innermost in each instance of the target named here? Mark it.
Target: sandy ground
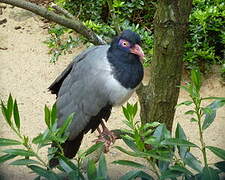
(25, 72)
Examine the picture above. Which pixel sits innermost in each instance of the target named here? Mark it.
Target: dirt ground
(25, 72)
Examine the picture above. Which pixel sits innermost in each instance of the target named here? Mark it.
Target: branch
(62, 10)
(76, 25)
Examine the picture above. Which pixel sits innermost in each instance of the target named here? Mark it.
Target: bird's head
(129, 42)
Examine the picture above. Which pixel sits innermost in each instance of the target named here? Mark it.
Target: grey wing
(56, 85)
(83, 92)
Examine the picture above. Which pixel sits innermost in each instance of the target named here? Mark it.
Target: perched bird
(96, 80)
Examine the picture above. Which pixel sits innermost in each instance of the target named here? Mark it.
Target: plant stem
(155, 170)
(203, 149)
(28, 146)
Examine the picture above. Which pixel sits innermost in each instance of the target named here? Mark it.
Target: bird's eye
(125, 43)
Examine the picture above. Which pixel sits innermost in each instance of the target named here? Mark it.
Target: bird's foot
(109, 134)
(107, 137)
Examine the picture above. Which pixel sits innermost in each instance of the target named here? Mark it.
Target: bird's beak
(138, 51)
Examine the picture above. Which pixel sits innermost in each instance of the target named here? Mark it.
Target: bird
(98, 79)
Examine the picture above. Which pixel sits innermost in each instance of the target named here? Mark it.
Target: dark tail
(70, 149)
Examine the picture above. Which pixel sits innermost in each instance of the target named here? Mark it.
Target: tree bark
(159, 98)
(76, 25)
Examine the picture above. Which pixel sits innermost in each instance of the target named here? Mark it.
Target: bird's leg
(108, 133)
(105, 136)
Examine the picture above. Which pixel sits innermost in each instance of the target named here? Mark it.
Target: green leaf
(134, 154)
(67, 165)
(66, 124)
(189, 112)
(152, 140)
(217, 98)
(6, 157)
(217, 151)
(196, 79)
(134, 174)
(8, 142)
(178, 142)
(47, 116)
(193, 120)
(129, 163)
(170, 174)
(187, 103)
(130, 143)
(75, 175)
(43, 172)
(142, 154)
(94, 148)
(220, 165)
(186, 88)
(126, 113)
(192, 162)
(180, 134)
(102, 167)
(210, 174)
(148, 125)
(91, 170)
(163, 165)
(6, 114)
(10, 106)
(210, 115)
(181, 169)
(24, 162)
(16, 115)
(19, 152)
(70, 168)
(53, 115)
(161, 132)
(135, 108)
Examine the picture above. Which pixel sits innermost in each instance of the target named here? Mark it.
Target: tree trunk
(159, 97)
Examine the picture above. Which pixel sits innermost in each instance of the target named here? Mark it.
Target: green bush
(206, 35)
(28, 151)
(105, 18)
(170, 157)
(206, 43)
(166, 157)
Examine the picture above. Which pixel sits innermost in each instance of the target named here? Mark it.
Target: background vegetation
(165, 156)
(205, 44)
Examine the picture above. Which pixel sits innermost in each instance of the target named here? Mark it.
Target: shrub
(167, 157)
(206, 44)
(206, 36)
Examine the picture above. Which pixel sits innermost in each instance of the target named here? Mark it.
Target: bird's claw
(110, 135)
(108, 138)
(105, 140)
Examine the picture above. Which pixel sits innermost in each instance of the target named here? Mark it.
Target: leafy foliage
(29, 155)
(60, 41)
(205, 44)
(166, 156)
(106, 18)
(206, 35)
(170, 157)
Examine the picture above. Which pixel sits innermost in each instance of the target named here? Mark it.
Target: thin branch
(76, 25)
(62, 11)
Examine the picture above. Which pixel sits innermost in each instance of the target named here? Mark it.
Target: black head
(128, 42)
(131, 36)
(124, 55)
